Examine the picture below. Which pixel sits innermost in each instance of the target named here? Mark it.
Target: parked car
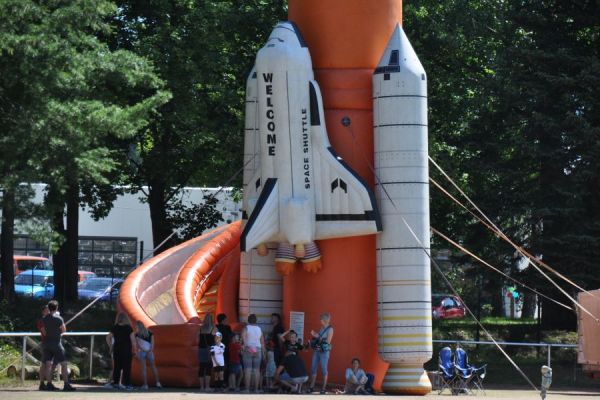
(98, 287)
(26, 263)
(35, 283)
(85, 275)
(446, 306)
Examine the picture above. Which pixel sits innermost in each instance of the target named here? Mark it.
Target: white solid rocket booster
(260, 290)
(401, 166)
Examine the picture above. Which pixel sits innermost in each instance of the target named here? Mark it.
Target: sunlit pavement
(98, 392)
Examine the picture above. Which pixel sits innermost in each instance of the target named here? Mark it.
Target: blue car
(35, 283)
(99, 287)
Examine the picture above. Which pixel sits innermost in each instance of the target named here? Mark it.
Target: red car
(446, 306)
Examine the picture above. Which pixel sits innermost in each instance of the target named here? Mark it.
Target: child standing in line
(217, 352)
(234, 363)
(271, 367)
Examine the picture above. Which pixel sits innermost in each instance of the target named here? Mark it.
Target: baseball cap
(218, 334)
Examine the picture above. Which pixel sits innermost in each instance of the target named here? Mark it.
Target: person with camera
(321, 345)
(291, 373)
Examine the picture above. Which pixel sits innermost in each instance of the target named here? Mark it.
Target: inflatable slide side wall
(164, 294)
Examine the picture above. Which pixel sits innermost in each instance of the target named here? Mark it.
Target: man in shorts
(292, 372)
(53, 328)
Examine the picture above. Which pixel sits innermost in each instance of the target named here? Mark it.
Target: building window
(25, 246)
(107, 256)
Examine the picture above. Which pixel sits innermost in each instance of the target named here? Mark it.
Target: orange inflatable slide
(171, 292)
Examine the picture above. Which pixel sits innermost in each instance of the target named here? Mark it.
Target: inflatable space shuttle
(301, 191)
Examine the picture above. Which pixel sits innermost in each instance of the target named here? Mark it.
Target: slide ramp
(171, 293)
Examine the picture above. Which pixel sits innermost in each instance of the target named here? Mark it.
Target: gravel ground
(98, 392)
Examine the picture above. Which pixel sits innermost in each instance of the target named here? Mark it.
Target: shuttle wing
(344, 204)
(263, 223)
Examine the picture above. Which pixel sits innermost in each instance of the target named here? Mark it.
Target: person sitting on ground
(234, 365)
(292, 372)
(144, 340)
(53, 350)
(124, 343)
(355, 379)
(217, 352)
(289, 341)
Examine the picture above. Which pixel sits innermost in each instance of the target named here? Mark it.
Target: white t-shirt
(217, 352)
(253, 334)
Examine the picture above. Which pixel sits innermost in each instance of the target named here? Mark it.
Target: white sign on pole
(297, 323)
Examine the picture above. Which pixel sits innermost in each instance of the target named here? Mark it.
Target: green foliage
(192, 220)
(513, 121)
(69, 105)
(203, 51)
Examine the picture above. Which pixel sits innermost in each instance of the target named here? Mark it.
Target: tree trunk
(529, 303)
(7, 245)
(57, 222)
(72, 243)
(557, 317)
(161, 228)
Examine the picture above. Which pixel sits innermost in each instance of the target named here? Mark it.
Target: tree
(550, 69)
(79, 101)
(514, 119)
(204, 51)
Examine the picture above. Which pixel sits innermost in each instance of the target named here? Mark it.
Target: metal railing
(25, 335)
(548, 346)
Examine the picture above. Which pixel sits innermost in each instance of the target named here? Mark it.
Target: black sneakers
(50, 387)
(68, 388)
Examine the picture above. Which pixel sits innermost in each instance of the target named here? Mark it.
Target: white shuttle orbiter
(301, 190)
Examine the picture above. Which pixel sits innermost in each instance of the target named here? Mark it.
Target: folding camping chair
(469, 377)
(447, 372)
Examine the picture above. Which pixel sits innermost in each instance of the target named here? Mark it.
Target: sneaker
(323, 391)
(51, 387)
(42, 386)
(129, 388)
(68, 388)
(121, 386)
(108, 385)
(144, 387)
(158, 385)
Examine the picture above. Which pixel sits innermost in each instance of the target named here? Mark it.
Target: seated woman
(355, 379)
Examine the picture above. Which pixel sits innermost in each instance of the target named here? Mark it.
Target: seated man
(355, 379)
(292, 372)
